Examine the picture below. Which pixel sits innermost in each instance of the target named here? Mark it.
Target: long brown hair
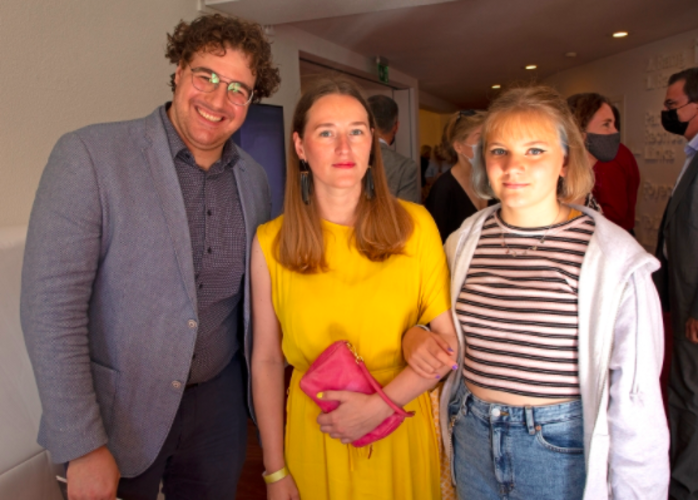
(382, 225)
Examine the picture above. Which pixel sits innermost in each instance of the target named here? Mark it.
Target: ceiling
(459, 49)
(288, 11)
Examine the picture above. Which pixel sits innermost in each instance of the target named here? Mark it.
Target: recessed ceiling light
(620, 34)
(571, 54)
(531, 66)
(497, 86)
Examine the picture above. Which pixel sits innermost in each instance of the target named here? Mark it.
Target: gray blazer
(677, 281)
(402, 174)
(108, 301)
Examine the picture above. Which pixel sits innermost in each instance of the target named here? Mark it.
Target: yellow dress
(370, 304)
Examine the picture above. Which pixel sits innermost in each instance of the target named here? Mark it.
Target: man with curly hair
(135, 295)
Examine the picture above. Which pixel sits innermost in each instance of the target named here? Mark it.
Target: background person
(437, 165)
(346, 261)
(424, 157)
(677, 283)
(452, 198)
(557, 395)
(401, 172)
(134, 305)
(617, 176)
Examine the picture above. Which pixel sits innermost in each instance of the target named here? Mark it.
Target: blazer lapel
(240, 182)
(166, 183)
(687, 179)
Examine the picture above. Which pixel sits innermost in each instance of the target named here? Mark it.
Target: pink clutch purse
(340, 368)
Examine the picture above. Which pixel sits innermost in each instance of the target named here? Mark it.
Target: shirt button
(496, 412)
(176, 384)
(191, 323)
(209, 250)
(209, 212)
(201, 285)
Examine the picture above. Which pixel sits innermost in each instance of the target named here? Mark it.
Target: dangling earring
(369, 187)
(305, 181)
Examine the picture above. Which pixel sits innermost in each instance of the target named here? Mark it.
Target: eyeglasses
(671, 105)
(207, 81)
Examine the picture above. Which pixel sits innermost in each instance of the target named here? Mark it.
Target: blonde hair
(382, 227)
(459, 126)
(538, 102)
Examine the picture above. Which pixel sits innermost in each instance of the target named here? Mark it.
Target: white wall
(65, 64)
(69, 63)
(637, 78)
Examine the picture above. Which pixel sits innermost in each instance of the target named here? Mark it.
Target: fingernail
(320, 395)
(450, 350)
(455, 367)
(438, 376)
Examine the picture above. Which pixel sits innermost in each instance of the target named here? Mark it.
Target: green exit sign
(383, 75)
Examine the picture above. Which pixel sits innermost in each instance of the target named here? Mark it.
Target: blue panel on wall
(262, 137)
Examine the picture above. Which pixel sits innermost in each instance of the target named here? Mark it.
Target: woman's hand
(283, 489)
(427, 353)
(356, 416)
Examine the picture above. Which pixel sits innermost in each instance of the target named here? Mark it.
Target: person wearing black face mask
(677, 282)
(615, 169)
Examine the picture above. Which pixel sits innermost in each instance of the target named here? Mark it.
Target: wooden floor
(251, 485)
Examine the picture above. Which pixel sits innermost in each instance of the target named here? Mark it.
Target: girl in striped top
(556, 393)
(518, 308)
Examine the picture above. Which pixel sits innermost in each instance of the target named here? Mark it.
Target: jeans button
(496, 412)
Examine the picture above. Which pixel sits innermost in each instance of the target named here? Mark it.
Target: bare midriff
(509, 399)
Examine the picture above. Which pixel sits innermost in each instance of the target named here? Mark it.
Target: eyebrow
(353, 124)
(531, 143)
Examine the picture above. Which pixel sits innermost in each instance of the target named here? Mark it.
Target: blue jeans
(517, 452)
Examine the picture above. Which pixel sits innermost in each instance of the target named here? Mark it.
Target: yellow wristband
(275, 476)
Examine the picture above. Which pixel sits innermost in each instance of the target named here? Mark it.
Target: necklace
(533, 247)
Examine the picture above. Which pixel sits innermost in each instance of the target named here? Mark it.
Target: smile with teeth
(210, 118)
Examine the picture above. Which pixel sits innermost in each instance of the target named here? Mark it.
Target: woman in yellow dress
(346, 261)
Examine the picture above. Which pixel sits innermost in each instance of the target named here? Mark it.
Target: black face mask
(671, 122)
(603, 147)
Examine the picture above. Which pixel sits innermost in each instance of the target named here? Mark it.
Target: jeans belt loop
(530, 423)
(466, 397)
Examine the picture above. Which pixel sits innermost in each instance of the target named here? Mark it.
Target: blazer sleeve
(60, 264)
(409, 183)
(692, 243)
(639, 437)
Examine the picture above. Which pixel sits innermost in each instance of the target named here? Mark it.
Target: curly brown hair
(217, 33)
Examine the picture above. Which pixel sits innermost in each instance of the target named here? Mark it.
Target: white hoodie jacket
(621, 346)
